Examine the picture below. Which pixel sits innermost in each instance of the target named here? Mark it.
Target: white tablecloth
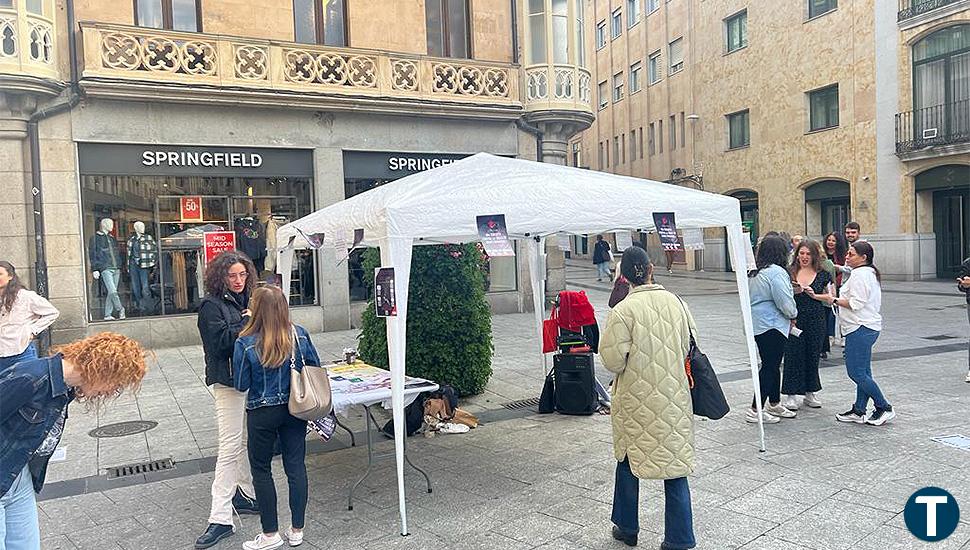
(362, 384)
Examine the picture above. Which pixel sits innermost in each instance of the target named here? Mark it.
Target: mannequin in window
(103, 255)
(142, 257)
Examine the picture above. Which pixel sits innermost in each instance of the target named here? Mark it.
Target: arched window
(941, 69)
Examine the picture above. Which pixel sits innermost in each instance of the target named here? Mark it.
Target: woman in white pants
(229, 281)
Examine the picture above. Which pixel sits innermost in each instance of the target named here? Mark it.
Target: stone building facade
(808, 112)
(197, 116)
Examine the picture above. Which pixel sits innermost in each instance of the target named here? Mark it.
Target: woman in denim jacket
(34, 396)
(267, 348)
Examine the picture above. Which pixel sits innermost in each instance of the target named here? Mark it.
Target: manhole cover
(122, 429)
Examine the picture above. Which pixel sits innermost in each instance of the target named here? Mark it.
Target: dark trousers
(771, 348)
(678, 517)
(265, 425)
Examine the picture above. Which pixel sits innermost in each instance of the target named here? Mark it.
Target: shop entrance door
(951, 223)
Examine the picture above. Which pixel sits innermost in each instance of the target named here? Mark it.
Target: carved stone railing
(556, 87)
(119, 52)
(27, 44)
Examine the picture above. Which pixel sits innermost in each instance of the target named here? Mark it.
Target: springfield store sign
(391, 166)
(174, 160)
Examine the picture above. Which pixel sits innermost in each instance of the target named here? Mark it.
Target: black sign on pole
(385, 295)
(667, 231)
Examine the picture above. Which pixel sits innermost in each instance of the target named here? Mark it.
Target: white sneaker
(752, 417)
(262, 542)
(295, 538)
(790, 402)
(811, 400)
(779, 411)
(109, 318)
(968, 378)
(122, 315)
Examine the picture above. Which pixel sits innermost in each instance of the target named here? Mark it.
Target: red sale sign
(217, 242)
(191, 208)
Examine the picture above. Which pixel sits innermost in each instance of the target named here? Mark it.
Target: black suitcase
(575, 383)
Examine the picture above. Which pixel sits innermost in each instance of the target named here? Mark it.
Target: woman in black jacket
(963, 285)
(229, 281)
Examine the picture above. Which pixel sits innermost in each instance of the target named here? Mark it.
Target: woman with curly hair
(34, 396)
(23, 315)
(229, 281)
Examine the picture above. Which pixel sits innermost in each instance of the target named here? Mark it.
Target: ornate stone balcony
(558, 87)
(27, 52)
(125, 62)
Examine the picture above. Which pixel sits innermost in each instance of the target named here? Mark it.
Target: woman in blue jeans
(34, 396)
(23, 315)
(860, 322)
(267, 348)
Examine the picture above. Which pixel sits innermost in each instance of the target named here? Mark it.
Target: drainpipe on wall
(37, 184)
(534, 130)
(515, 33)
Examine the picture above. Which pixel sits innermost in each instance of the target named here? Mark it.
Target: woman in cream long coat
(645, 343)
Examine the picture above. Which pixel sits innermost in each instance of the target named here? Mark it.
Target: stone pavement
(523, 480)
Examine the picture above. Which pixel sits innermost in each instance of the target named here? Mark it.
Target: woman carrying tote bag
(267, 349)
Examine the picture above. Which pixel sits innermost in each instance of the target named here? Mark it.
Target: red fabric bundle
(575, 311)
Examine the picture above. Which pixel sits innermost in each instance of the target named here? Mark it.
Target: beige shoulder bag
(310, 396)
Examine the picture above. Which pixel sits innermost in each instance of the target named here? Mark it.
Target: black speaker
(575, 383)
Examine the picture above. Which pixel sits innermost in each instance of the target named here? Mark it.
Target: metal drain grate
(140, 468)
(940, 337)
(522, 403)
(121, 429)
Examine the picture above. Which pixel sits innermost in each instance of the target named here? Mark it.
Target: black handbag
(705, 391)
(547, 400)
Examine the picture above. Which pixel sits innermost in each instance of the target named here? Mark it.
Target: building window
(640, 135)
(736, 28)
(560, 31)
(653, 67)
(607, 152)
(633, 145)
(33, 6)
(683, 133)
(580, 36)
(449, 33)
(673, 132)
(632, 12)
(177, 15)
(660, 136)
(635, 71)
(821, 7)
(600, 34)
(604, 95)
(616, 150)
(739, 130)
(653, 5)
(576, 159)
(824, 108)
(600, 158)
(537, 31)
(941, 89)
(651, 141)
(616, 27)
(622, 148)
(676, 55)
(617, 87)
(320, 22)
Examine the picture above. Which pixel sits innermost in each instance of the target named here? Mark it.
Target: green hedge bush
(449, 336)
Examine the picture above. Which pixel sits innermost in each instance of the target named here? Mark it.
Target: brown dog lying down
(438, 413)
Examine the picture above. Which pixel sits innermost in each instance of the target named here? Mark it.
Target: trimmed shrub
(449, 335)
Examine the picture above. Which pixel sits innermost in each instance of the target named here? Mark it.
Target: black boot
(243, 504)
(627, 539)
(213, 534)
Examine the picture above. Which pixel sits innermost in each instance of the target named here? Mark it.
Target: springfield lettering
(414, 164)
(201, 158)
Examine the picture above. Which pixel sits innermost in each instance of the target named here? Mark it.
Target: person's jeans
(265, 425)
(139, 285)
(19, 529)
(232, 463)
(858, 363)
(968, 345)
(11, 360)
(678, 517)
(771, 348)
(603, 270)
(830, 321)
(112, 303)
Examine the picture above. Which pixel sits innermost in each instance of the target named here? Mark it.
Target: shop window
(449, 31)
(320, 22)
(179, 15)
(153, 251)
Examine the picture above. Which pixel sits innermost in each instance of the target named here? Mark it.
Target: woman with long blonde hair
(268, 347)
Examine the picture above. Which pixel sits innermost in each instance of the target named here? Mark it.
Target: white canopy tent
(538, 200)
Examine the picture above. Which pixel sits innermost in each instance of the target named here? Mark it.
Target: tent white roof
(538, 200)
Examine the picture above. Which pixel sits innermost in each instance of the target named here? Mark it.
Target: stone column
(15, 110)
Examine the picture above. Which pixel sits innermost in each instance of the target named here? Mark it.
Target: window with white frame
(635, 79)
(617, 87)
(604, 95)
(736, 31)
(653, 5)
(580, 36)
(560, 31)
(676, 55)
(616, 26)
(653, 67)
(632, 12)
(821, 7)
(600, 34)
(537, 31)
